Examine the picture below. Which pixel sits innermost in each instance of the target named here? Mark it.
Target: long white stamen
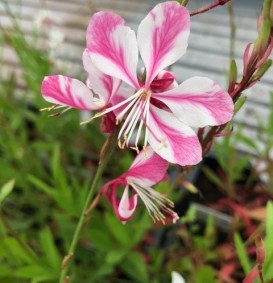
(123, 112)
(146, 107)
(128, 118)
(147, 117)
(107, 110)
(131, 127)
(151, 207)
(155, 202)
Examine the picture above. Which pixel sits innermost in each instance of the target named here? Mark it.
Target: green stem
(107, 149)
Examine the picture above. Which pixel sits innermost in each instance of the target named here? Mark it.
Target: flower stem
(107, 149)
(209, 7)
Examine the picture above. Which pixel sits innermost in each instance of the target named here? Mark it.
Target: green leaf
(119, 230)
(134, 266)
(115, 256)
(55, 162)
(6, 190)
(42, 186)
(248, 142)
(101, 240)
(5, 270)
(270, 118)
(242, 254)
(269, 236)
(49, 249)
(36, 272)
(18, 251)
(205, 274)
(213, 177)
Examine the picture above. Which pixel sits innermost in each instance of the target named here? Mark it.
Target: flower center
(134, 115)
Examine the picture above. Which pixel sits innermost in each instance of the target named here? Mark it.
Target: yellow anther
(49, 108)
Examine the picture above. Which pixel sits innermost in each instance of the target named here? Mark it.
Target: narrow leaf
(6, 190)
(242, 254)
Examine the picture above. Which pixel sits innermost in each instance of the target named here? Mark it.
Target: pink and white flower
(147, 169)
(166, 110)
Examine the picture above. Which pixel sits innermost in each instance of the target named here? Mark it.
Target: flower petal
(127, 206)
(147, 169)
(177, 278)
(164, 81)
(163, 37)
(172, 139)
(199, 102)
(103, 85)
(113, 47)
(69, 92)
(124, 208)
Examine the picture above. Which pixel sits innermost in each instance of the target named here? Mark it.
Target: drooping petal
(163, 37)
(69, 92)
(147, 169)
(103, 85)
(172, 139)
(113, 47)
(127, 205)
(199, 102)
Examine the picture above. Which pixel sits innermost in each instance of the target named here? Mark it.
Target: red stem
(209, 7)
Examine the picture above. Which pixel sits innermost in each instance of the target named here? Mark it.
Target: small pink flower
(147, 169)
(166, 110)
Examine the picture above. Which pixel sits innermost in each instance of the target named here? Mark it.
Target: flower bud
(239, 103)
(261, 71)
(262, 40)
(232, 75)
(260, 251)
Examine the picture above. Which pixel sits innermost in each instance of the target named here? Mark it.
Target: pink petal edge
(163, 37)
(113, 47)
(103, 85)
(66, 91)
(199, 102)
(172, 139)
(147, 169)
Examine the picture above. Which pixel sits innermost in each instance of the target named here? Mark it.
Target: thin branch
(209, 7)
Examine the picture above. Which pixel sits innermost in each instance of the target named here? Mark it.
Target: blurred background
(47, 164)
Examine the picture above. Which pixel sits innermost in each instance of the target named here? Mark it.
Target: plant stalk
(108, 150)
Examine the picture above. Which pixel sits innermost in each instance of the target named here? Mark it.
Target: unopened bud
(246, 57)
(190, 187)
(271, 15)
(262, 41)
(261, 71)
(232, 76)
(260, 20)
(260, 251)
(267, 9)
(239, 103)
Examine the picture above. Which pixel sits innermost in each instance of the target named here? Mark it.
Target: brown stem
(209, 7)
